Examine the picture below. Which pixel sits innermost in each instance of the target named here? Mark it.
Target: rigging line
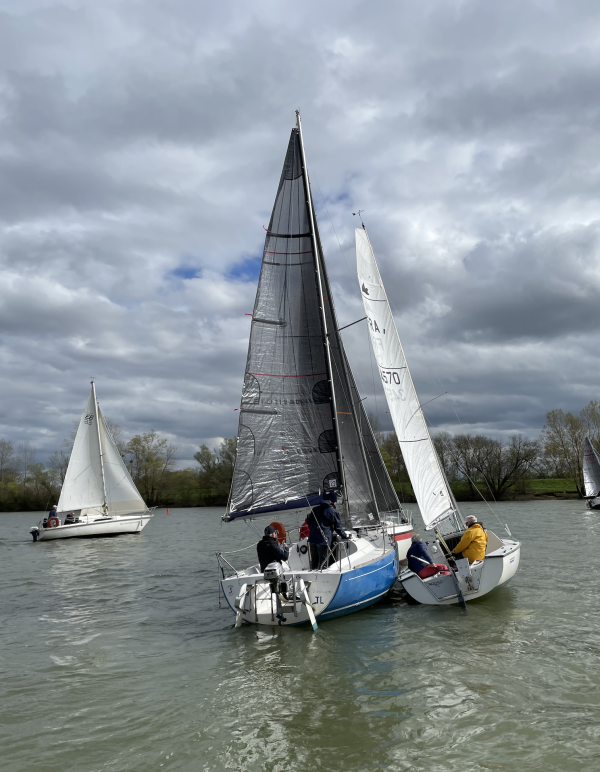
(464, 472)
(420, 407)
(347, 268)
(351, 323)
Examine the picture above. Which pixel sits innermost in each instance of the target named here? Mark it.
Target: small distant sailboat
(303, 431)
(432, 491)
(591, 475)
(98, 495)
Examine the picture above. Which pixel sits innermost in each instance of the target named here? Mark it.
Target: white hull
(494, 570)
(365, 573)
(593, 503)
(94, 526)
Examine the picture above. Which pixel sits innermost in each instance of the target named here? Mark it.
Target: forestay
(122, 497)
(287, 448)
(431, 489)
(591, 470)
(82, 488)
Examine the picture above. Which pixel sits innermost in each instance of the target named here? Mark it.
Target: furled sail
(298, 396)
(591, 470)
(122, 496)
(82, 488)
(430, 486)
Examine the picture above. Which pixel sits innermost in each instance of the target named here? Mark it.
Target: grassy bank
(526, 490)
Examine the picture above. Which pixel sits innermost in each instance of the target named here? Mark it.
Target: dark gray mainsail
(302, 427)
(591, 470)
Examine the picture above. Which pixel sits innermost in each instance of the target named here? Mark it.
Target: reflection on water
(114, 655)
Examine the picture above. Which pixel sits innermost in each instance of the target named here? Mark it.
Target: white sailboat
(98, 496)
(591, 475)
(432, 491)
(303, 431)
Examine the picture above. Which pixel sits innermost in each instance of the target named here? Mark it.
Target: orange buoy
(53, 522)
(281, 533)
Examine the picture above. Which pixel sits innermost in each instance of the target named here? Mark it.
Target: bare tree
(25, 457)
(59, 461)
(562, 441)
(7, 458)
(151, 459)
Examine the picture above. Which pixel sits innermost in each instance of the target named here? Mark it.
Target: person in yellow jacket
(474, 541)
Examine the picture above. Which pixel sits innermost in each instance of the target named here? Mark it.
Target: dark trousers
(318, 555)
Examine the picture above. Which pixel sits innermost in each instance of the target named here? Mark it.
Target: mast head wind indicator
(359, 213)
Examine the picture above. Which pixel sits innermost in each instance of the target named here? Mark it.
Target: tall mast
(99, 445)
(316, 250)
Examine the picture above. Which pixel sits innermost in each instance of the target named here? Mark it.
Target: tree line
(474, 464)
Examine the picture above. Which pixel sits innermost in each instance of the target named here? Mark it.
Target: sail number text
(389, 376)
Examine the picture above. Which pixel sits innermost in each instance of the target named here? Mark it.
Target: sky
(141, 144)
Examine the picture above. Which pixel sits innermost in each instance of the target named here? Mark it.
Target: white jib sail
(122, 497)
(82, 488)
(591, 469)
(423, 466)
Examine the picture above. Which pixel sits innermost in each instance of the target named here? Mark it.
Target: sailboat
(436, 501)
(98, 496)
(303, 432)
(591, 475)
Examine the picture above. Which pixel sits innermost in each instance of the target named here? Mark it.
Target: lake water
(114, 655)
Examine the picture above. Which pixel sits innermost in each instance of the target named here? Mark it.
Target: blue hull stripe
(377, 579)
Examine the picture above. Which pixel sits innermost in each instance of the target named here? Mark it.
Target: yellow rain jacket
(473, 543)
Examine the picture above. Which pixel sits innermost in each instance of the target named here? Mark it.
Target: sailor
(420, 561)
(474, 541)
(322, 522)
(269, 550)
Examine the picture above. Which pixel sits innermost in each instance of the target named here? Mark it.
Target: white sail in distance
(429, 483)
(82, 488)
(591, 470)
(97, 478)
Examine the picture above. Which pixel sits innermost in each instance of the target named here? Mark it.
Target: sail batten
(430, 486)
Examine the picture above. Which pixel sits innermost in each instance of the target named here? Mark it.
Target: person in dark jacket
(420, 559)
(269, 550)
(323, 521)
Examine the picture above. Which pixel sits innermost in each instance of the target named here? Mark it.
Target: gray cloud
(140, 149)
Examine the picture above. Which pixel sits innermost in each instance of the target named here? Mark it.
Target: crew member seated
(269, 551)
(474, 541)
(419, 559)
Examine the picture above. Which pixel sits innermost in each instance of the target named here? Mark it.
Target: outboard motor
(274, 575)
(35, 533)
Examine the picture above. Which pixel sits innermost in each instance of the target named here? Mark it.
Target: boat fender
(53, 522)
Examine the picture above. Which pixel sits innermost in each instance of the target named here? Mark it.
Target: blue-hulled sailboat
(303, 432)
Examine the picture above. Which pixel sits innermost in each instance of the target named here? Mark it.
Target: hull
(593, 503)
(99, 527)
(494, 570)
(361, 577)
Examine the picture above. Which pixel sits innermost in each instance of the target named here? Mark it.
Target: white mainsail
(591, 470)
(97, 478)
(122, 496)
(430, 487)
(82, 488)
